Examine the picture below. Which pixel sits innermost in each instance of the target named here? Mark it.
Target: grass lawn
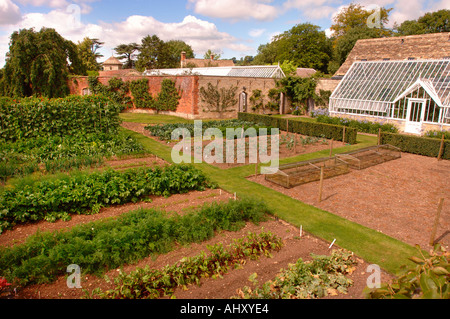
(373, 246)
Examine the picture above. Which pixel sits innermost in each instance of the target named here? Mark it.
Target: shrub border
(425, 146)
(328, 131)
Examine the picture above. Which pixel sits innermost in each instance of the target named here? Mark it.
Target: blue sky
(234, 28)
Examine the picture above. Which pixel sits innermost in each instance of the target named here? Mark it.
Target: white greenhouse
(412, 94)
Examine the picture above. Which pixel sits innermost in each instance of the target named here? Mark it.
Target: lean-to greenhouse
(412, 94)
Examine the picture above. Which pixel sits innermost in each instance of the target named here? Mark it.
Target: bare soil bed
(398, 198)
(284, 150)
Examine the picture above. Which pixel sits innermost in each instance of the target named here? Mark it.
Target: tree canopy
(431, 22)
(39, 63)
(87, 49)
(305, 45)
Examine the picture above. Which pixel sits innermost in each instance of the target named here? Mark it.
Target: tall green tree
(431, 22)
(127, 52)
(208, 54)
(305, 45)
(356, 16)
(39, 63)
(175, 47)
(87, 50)
(154, 54)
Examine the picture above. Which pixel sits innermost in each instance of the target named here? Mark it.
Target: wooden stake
(343, 136)
(441, 149)
(321, 184)
(331, 148)
(379, 136)
(301, 230)
(436, 221)
(287, 126)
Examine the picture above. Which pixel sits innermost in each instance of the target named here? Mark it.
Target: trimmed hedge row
(328, 131)
(417, 145)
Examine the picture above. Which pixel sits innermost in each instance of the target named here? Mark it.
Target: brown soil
(226, 287)
(284, 151)
(398, 198)
(267, 268)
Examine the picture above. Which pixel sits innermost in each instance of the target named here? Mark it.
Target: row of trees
(307, 46)
(40, 62)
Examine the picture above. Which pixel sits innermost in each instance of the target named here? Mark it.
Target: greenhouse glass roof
(373, 85)
(257, 71)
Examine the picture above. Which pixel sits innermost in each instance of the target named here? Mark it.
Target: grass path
(373, 246)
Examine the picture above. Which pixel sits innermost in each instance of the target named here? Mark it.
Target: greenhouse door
(414, 116)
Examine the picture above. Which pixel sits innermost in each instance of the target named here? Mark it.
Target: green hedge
(417, 145)
(328, 131)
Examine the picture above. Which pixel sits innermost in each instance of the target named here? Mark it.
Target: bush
(328, 131)
(417, 145)
(72, 115)
(363, 126)
(438, 134)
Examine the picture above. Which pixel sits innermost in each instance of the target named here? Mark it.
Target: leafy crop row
(164, 131)
(154, 283)
(86, 193)
(102, 245)
(324, 275)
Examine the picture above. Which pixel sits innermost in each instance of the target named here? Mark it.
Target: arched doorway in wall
(243, 100)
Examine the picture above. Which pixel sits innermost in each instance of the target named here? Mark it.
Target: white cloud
(9, 12)
(255, 33)
(201, 35)
(236, 10)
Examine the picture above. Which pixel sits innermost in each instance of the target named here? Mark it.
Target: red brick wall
(187, 87)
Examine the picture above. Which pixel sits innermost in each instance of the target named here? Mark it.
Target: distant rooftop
(256, 71)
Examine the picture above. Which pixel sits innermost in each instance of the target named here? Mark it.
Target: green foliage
(417, 145)
(40, 117)
(141, 97)
(360, 125)
(168, 98)
(164, 131)
(86, 193)
(117, 90)
(431, 22)
(323, 276)
(429, 279)
(328, 131)
(127, 51)
(257, 100)
(153, 283)
(87, 50)
(218, 100)
(37, 64)
(298, 89)
(304, 45)
(102, 245)
(437, 134)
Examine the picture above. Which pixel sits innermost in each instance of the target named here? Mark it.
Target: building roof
(305, 72)
(418, 47)
(202, 63)
(379, 83)
(257, 71)
(112, 61)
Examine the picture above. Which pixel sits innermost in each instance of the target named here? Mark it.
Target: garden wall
(187, 87)
(250, 84)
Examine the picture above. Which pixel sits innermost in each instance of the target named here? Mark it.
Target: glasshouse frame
(413, 94)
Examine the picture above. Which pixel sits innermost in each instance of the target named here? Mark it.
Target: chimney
(183, 59)
(212, 57)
